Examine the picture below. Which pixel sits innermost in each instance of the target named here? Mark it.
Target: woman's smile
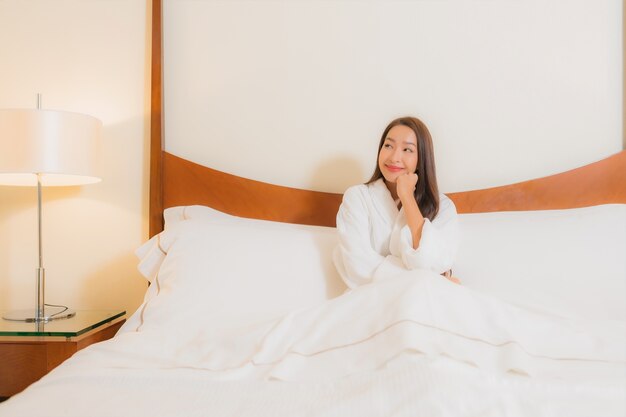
(394, 168)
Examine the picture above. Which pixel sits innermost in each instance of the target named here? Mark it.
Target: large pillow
(229, 267)
(569, 262)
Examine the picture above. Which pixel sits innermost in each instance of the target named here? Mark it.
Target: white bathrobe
(375, 241)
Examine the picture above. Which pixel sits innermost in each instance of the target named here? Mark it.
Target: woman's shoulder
(444, 199)
(353, 200)
(446, 205)
(360, 196)
(372, 190)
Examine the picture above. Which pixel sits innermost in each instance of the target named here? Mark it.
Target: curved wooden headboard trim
(602, 182)
(187, 183)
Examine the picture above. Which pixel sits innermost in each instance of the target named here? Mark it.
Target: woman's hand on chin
(405, 185)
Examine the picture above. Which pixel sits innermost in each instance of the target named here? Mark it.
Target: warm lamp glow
(62, 146)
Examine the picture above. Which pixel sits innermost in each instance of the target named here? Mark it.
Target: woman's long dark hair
(426, 190)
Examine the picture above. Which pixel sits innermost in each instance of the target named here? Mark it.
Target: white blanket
(420, 387)
(414, 345)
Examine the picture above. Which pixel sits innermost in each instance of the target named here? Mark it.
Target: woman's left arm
(434, 246)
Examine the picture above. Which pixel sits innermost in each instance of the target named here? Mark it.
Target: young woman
(397, 232)
(397, 221)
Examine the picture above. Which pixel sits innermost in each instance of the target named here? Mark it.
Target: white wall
(87, 56)
(298, 92)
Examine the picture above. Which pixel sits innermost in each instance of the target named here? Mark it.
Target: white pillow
(227, 266)
(570, 262)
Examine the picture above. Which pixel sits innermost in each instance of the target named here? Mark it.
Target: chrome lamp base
(31, 316)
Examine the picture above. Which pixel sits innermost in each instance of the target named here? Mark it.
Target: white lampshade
(62, 146)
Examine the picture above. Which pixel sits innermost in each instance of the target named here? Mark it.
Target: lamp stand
(39, 315)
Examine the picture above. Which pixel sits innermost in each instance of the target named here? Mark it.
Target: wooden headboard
(176, 182)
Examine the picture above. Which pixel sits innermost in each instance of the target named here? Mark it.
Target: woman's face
(399, 153)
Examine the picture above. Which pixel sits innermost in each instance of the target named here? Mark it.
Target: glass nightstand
(72, 327)
(28, 351)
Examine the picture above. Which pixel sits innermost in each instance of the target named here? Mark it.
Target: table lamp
(46, 148)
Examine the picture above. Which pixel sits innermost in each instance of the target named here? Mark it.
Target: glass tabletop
(82, 322)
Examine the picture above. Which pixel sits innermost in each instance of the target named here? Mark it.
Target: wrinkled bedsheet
(413, 345)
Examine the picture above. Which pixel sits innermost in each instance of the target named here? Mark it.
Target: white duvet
(406, 346)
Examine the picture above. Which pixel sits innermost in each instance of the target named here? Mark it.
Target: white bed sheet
(405, 346)
(419, 387)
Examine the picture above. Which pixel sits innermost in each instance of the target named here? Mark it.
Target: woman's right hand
(405, 186)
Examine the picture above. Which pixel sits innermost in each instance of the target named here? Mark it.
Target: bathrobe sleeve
(438, 244)
(356, 259)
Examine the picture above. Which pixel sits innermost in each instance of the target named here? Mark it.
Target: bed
(234, 325)
(245, 314)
